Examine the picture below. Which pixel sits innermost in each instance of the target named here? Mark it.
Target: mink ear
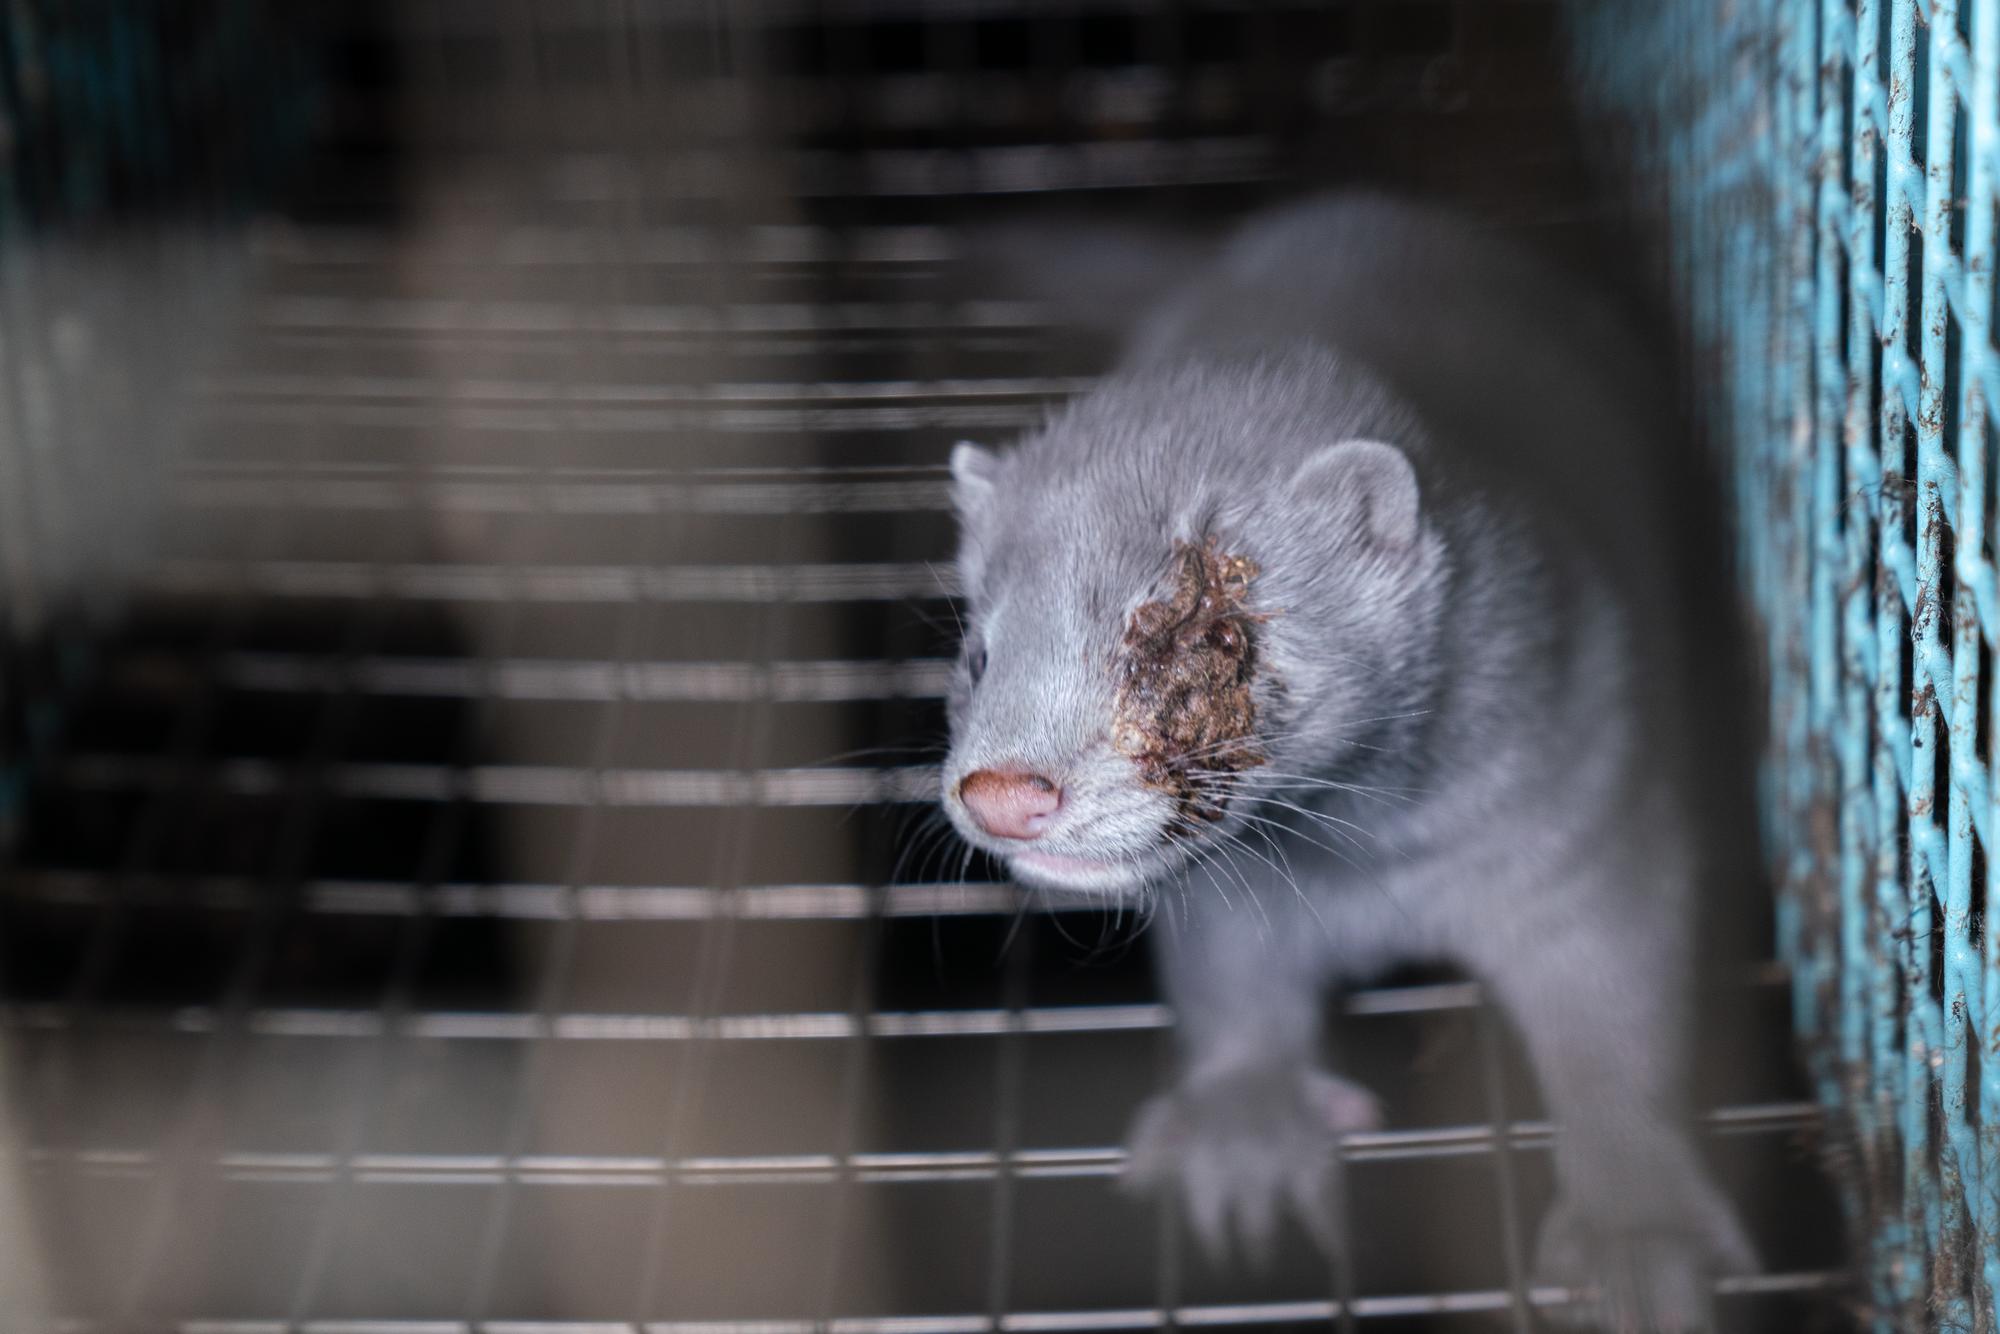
(974, 483)
(1369, 485)
(974, 471)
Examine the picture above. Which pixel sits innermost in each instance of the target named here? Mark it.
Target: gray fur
(1475, 633)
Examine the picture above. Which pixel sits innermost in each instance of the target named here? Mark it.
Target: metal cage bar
(1851, 338)
(660, 399)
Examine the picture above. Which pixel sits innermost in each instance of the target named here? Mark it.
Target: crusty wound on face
(1185, 711)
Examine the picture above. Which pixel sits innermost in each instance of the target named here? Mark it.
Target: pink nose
(1009, 803)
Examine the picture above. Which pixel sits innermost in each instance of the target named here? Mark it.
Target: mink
(1341, 624)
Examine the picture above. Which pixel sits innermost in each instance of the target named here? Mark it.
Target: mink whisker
(870, 752)
(1202, 857)
(1243, 882)
(1023, 903)
(1302, 896)
(931, 623)
(1237, 742)
(951, 603)
(1332, 823)
(1300, 834)
(933, 822)
(1233, 788)
(1382, 796)
(1389, 717)
(1367, 870)
(1232, 841)
(1343, 785)
(936, 850)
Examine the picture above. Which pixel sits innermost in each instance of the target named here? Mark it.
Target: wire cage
(478, 881)
(1832, 173)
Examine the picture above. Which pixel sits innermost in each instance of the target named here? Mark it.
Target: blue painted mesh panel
(1829, 170)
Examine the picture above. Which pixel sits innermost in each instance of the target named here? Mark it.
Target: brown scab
(1185, 711)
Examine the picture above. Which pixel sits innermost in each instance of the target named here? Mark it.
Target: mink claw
(1244, 1149)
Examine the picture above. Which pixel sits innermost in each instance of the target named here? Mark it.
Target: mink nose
(1009, 803)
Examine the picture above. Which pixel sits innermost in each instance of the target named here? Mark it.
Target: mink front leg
(1251, 1126)
(1598, 986)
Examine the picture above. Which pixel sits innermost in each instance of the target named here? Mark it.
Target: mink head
(1181, 616)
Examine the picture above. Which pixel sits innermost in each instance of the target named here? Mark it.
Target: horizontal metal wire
(524, 902)
(522, 784)
(1387, 1307)
(696, 478)
(291, 247)
(584, 394)
(446, 315)
(532, 244)
(533, 679)
(970, 404)
(614, 420)
(906, 1168)
(673, 352)
(520, 1026)
(818, 1025)
(514, 1026)
(821, 1025)
(339, 486)
(861, 582)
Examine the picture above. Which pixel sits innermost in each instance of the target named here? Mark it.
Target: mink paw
(1652, 1276)
(1241, 1147)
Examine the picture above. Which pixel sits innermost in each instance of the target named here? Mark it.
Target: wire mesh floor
(487, 885)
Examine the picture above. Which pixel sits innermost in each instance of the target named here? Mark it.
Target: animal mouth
(1058, 864)
(1078, 875)
(1186, 713)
